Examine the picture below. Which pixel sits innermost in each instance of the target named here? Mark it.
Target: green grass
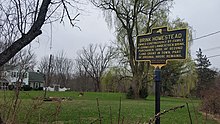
(84, 109)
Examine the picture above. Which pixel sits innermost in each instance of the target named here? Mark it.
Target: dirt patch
(58, 99)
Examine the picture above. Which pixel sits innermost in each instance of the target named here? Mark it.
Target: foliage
(27, 88)
(202, 60)
(178, 78)
(130, 93)
(206, 75)
(143, 93)
(10, 87)
(116, 80)
(187, 80)
(108, 82)
(133, 17)
(170, 75)
(174, 73)
(211, 98)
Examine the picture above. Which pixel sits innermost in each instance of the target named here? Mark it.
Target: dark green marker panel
(162, 45)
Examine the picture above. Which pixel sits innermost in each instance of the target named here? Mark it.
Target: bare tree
(43, 64)
(60, 70)
(27, 59)
(21, 21)
(81, 79)
(95, 60)
(63, 68)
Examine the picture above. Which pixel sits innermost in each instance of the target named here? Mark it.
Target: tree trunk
(96, 89)
(99, 86)
(136, 86)
(136, 67)
(25, 39)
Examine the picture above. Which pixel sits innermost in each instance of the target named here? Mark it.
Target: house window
(17, 74)
(13, 74)
(25, 75)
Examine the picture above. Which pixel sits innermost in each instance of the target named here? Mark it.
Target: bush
(143, 93)
(11, 87)
(211, 99)
(40, 88)
(211, 102)
(27, 88)
(130, 93)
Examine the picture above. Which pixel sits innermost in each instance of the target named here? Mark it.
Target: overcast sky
(202, 15)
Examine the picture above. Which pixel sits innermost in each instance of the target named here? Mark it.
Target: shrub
(130, 93)
(211, 99)
(40, 88)
(11, 87)
(143, 93)
(27, 88)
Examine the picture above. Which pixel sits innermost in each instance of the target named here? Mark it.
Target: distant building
(3, 84)
(11, 75)
(36, 80)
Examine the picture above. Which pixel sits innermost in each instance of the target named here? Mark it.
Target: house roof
(3, 80)
(7, 67)
(36, 77)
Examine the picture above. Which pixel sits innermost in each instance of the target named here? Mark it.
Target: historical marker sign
(162, 45)
(158, 47)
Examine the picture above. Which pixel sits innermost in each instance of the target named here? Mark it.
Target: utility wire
(214, 48)
(214, 56)
(209, 49)
(206, 35)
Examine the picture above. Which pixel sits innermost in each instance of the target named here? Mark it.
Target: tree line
(21, 23)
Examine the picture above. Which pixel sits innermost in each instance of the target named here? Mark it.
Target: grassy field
(77, 109)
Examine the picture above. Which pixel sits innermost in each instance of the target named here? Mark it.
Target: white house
(11, 75)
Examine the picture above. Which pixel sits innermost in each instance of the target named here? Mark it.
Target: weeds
(100, 110)
(151, 121)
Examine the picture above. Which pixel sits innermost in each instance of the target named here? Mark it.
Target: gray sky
(202, 15)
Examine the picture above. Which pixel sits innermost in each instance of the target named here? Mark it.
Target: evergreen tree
(205, 75)
(202, 61)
